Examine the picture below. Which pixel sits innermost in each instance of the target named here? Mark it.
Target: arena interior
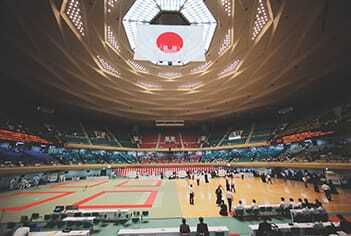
(175, 117)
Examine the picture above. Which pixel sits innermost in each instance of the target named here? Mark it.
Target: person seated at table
(317, 204)
(291, 203)
(255, 208)
(254, 205)
(223, 209)
(202, 228)
(299, 204)
(240, 206)
(304, 215)
(283, 203)
(239, 209)
(184, 228)
(345, 225)
(306, 204)
(315, 211)
(264, 228)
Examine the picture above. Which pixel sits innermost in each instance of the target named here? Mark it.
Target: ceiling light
(201, 68)
(107, 67)
(111, 39)
(138, 67)
(227, 6)
(227, 42)
(72, 14)
(261, 19)
(111, 4)
(231, 68)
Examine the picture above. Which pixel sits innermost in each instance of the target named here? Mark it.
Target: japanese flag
(170, 43)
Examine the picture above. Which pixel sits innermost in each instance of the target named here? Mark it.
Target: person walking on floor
(227, 185)
(232, 184)
(230, 197)
(191, 195)
(218, 195)
(198, 179)
(206, 178)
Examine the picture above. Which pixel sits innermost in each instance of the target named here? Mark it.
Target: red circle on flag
(169, 42)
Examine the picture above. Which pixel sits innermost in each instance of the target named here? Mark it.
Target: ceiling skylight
(170, 5)
(195, 11)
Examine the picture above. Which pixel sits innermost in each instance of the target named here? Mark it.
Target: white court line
(158, 201)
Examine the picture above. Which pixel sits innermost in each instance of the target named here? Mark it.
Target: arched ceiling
(263, 51)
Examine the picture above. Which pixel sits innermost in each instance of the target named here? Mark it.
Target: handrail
(113, 148)
(294, 165)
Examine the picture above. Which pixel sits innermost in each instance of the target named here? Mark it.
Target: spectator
(230, 197)
(300, 203)
(202, 228)
(345, 225)
(264, 228)
(240, 206)
(184, 228)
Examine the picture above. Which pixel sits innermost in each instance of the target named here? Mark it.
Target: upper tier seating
(100, 136)
(190, 140)
(170, 140)
(262, 132)
(123, 137)
(72, 133)
(244, 135)
(149, 140)
(214, 137)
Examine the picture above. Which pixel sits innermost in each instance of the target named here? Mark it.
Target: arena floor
(164, 199)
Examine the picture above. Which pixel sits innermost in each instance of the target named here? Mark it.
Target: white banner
(176, 44)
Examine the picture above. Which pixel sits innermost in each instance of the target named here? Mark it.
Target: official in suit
(202, 228)
(184, 228)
